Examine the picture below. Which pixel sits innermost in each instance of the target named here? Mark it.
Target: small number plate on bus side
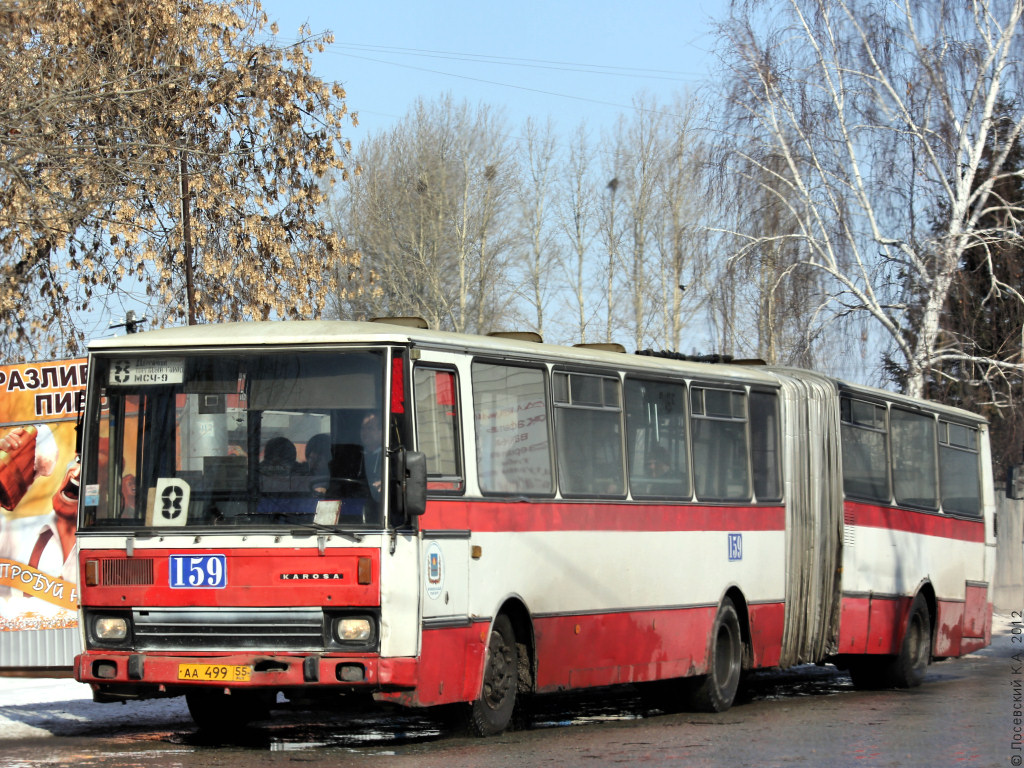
(221, 673)
(198, 571)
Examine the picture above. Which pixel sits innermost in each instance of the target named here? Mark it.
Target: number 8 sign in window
(198, 571)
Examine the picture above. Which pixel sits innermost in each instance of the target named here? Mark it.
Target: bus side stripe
(519, 516)
(926, 523)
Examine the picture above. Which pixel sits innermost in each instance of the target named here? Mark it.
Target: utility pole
(186, 235)
(131, 322)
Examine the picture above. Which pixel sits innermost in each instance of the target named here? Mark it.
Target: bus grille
(229, 629)
(125, 573)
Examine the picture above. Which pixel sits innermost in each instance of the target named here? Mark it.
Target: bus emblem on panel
(735, 546)
(121, 373)
(435, 570)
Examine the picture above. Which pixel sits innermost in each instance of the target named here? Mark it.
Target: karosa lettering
(312, 576)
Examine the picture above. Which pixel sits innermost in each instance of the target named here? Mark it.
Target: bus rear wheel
(907, 668)
(492, 712)
(716, 691)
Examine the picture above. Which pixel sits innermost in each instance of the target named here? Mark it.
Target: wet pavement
(810, 715)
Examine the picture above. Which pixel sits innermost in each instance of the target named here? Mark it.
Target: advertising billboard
(40, 405)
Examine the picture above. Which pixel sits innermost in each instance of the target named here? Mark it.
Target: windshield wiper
(308, 528)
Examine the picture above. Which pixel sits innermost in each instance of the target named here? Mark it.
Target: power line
(498, 83)
(349, 50)
(561, 66)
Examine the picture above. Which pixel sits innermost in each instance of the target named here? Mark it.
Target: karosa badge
(312, 576)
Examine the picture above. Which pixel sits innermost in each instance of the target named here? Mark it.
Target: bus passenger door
(445, 578)
(444, 564)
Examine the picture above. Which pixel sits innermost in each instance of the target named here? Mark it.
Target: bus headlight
(353, 629)
(110, 629)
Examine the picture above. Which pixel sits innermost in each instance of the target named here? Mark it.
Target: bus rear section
(918, 537)
(890, 526)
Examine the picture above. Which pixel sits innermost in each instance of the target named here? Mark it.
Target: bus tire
(907, 669)
(716, 691)
(492, 712)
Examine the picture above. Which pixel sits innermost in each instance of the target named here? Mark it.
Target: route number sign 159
(198, 571)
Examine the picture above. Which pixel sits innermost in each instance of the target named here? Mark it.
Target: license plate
(221, 673)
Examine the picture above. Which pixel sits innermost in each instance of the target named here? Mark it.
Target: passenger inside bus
(657, 463)
(279, 457)
(278, 472)
(345, 487)
(656, 472)
(318, 454)
(318, 457)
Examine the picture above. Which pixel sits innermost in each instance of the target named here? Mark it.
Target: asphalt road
(969, 712)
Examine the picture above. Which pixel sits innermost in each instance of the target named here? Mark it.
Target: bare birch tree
(653, 223)
(990, 324)
(679, 228)
(767, 296)
(540, 250)
(578, 220)
(427, 216)
(880, 112)
(639, 145)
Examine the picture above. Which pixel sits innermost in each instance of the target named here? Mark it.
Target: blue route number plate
(198, 571)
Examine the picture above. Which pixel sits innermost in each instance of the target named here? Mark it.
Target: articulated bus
(335, 508)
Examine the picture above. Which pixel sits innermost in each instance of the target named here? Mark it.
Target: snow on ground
(40, 707)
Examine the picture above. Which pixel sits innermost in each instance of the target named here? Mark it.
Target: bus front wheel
(492, 712)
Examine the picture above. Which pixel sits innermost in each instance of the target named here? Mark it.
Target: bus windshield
(247, 439)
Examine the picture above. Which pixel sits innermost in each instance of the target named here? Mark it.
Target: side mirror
(409, 472)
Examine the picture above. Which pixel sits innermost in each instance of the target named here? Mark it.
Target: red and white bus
(434, 518)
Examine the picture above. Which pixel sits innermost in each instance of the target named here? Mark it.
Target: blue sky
(565, 59)
(568, 60)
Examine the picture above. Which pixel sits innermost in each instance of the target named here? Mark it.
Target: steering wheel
(341, 487)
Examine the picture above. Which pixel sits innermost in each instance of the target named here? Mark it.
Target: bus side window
(865, 452)
(764, 446)
(914, 472)
(656, 439)
(510, 416)
(959, 469)
(588, 426)
(437, 427)
(721, 462)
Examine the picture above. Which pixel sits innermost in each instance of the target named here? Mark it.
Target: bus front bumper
(119, 675)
